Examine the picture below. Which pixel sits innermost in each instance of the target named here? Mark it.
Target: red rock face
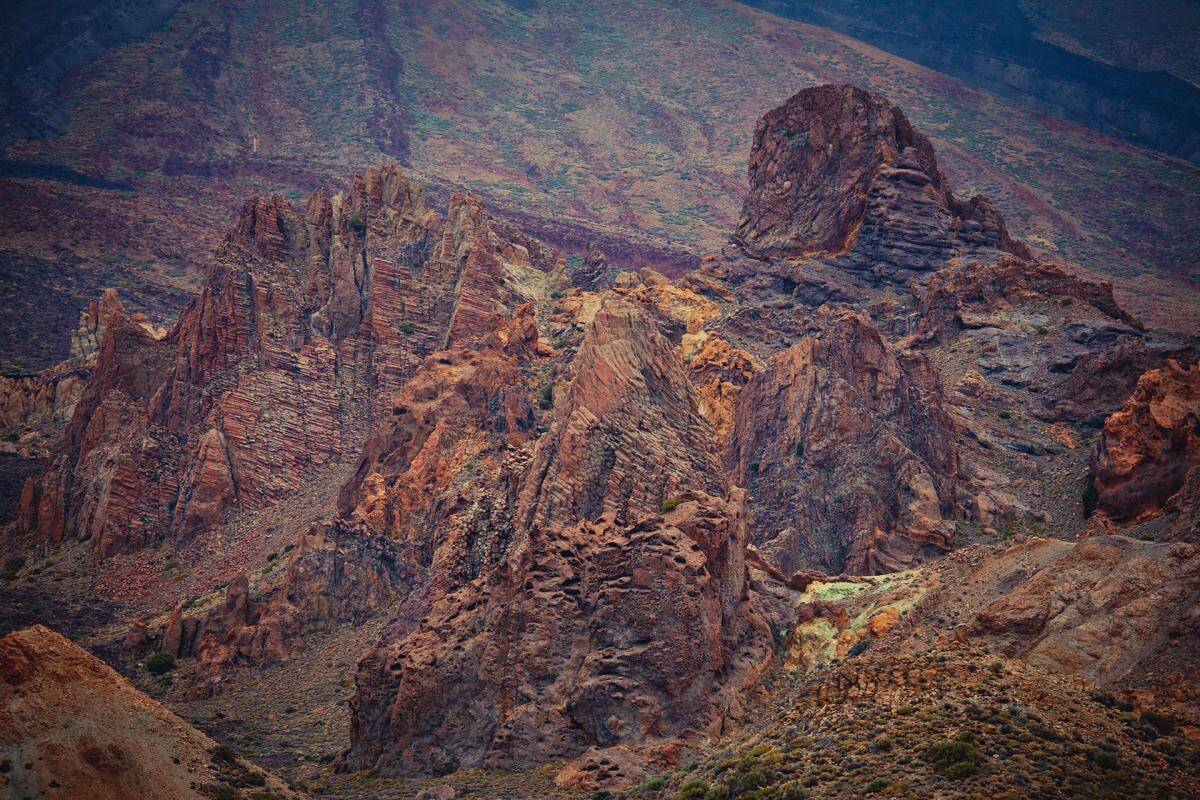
(594, 634)
(957, 297)
(1150, 446)
(847, 452)
(627, 436)
(557, 610)
(309, 321)
(838, 169)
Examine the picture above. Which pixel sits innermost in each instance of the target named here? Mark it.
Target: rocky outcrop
(848, 454)
(308, 322)
(627, 434)
(841, 170)
(965, 296)
(339, 574)
(1100, 608)
(719, 372)
(1148, 449)
(34, 409)
(71, 726)
(564, 578)
(436, 467)
(594, 634)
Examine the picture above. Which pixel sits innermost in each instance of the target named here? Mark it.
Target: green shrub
(955, 758)
(669, 506)
(223, 754)
(877, 785)
(546, 402)
(692, 790)
(1160, 722)
(358, 224)
(255, 779)
(12, 567)
(1089, 498)
(651, 784)
(220, 792)
(406, 327)
(1104, 759)
(160, 663)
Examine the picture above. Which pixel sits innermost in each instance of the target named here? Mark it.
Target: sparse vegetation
(956, 758)
(12, 567)
(160, 663)
(692, 790)
(219, 791)
(1090, 498)
(223, 754)
(669, 505)
(1159, 722)
(1104, 759)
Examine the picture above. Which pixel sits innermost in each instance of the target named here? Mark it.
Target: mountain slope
(606, 133)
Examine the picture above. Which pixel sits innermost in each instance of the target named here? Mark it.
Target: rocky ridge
(596, 516)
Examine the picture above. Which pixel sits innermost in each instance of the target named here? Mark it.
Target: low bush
(1160, 722)
(692, 790)
(160, 663)
(955, 758)
(12, 567)
(223, 754)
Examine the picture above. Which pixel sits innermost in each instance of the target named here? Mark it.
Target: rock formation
(840, 170)
(964, 296)
(1149, 448)
(594, 634)
(847, 452)
(34, 409)
(628, 435)
(308, 322)
(1099, 608)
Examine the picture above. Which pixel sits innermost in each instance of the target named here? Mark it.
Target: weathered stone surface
(954, 298)
(594, 634)
(719, 372)
(339, 574)
(34, 409)
(1098, 608)
(841, 170)
(627, 435)
(847, 452)
(309, 321)
(1149, 447)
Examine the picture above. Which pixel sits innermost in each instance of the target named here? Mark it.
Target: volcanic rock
(594, 634)
(627, 434)
(847, 452)
(1148, 449)
(954, 298)
(309, 321)
(841, 170)
(339, 574)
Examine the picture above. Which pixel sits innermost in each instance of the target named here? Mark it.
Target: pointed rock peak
(838, 163)
(261, 228)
